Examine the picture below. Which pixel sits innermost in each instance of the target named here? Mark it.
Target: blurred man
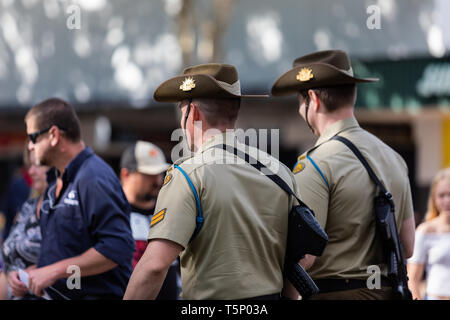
(84, 215)
(16, 193)
(226, 219)
(142, 167)
(335, 184)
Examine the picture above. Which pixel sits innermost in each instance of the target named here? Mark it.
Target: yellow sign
(445, 142)
(188, 84)
(305, 74)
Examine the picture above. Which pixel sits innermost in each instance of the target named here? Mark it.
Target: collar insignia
(299, 167)
(167, 179)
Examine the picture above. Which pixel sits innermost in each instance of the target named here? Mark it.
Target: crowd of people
(213, 227)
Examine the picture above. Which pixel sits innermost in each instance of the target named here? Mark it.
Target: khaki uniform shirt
(343, 204)
(239, 252)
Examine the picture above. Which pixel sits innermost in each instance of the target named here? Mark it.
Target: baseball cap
(144, 157)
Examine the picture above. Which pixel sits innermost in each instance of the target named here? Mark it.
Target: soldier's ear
(315, 102)
(195, 112)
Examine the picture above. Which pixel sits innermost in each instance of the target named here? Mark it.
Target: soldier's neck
(210, 132)
(325, 120)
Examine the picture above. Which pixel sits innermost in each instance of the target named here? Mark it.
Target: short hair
(220, 111)
(334, 97)
(56, 112)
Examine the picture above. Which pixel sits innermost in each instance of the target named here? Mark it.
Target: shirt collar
(221, 138)
(337, 128)
(75, 164)
(52, 175)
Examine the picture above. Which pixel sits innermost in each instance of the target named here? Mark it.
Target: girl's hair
(432, 210)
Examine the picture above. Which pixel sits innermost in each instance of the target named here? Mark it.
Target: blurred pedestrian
(84, 215)
(21, 249)
(16, 193)
(228, 221)
(432, 246)
(335, 184)
(143, 165)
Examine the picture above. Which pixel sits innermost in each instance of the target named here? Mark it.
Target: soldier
(335, 184)
(238, 253)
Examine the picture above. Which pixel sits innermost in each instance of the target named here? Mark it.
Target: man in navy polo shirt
(84, 215)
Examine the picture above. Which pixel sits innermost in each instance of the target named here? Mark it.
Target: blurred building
(107, 57)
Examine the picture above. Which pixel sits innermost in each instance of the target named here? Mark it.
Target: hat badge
(188, 84)
(305, 74)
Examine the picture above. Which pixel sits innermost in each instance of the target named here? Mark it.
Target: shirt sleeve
(107, 212)
(407, 210)
(176, 210)
(296, 190)
(12, 259)
(313, 189)
(420, 255)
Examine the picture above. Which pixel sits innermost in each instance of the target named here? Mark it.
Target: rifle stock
(305, 236)
(392, 250)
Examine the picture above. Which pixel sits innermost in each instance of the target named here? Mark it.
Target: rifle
(305, 236)
(392, 247)
(384, 211)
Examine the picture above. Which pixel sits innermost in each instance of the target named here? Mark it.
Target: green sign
(405, 85)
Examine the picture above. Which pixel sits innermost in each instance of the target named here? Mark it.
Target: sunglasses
(33, 136)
